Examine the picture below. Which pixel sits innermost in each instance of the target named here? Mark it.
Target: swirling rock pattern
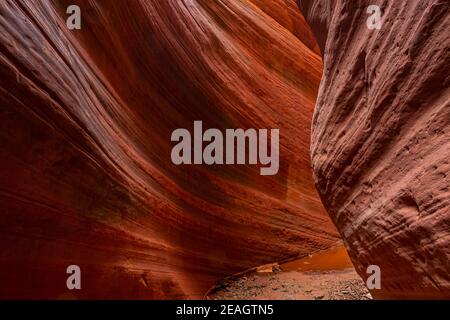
(381, 138)
(86, 118)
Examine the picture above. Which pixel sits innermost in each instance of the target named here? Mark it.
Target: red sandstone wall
(85, 124)
(381, 138)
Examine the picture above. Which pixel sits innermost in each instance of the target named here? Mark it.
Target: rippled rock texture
(85, 124)
(381, 139)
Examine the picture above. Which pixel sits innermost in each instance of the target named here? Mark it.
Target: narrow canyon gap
(86, 117)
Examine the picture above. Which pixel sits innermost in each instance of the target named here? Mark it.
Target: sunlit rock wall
(86, 118)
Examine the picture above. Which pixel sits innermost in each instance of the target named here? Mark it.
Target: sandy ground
(327, 275)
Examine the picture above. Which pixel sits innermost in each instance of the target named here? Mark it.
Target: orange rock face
(381, 139)
(86, 118)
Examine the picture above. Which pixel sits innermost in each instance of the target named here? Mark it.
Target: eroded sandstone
(381, 140)
(86, 117)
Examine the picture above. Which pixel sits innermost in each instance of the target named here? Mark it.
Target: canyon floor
(326, 275)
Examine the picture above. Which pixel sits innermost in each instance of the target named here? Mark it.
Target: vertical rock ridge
(381, 141)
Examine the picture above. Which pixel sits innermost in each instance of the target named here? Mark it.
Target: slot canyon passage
(86, 117)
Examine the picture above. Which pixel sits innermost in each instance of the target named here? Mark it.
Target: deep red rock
(86, 118)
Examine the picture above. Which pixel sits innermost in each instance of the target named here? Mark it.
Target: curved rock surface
(381, 139)
(86, 118)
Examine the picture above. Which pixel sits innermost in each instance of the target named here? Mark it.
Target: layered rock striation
(86, 118)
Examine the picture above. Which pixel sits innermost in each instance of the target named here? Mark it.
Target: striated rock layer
(86, 118)
(381, 139)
